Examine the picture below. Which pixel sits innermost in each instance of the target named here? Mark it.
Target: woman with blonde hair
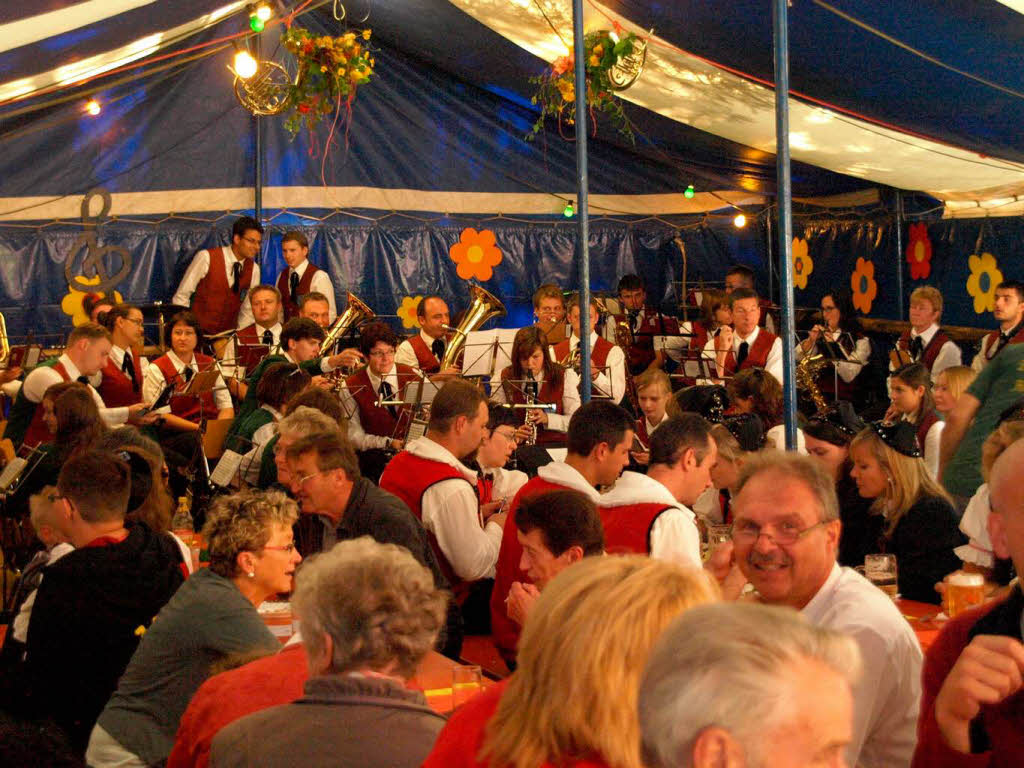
(572, 701)
(949, 385)
(737, 438)
(920, 521)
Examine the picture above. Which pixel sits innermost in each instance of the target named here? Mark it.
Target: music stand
(248, 356)
(488, 353)
(419, 394)
(23, 356)
(230, 462)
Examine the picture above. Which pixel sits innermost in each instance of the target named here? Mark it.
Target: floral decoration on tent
(863, 285)
(803, 264)
(407, 311)
(985, 276)
(475, 254)
(919, 252)
(71, 304)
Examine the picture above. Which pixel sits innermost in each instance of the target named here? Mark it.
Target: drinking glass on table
(881, 571)
(963, 591)
(467, 680)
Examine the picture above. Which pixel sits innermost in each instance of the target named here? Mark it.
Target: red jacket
(425, 358)
(757, 354)
(375, 419)
(504, 631)
(627, 528)
(37, 431)
(997, 734)
(232, 695)
(931, 352)
(216, 303)
(459, 742)
(290, 303)
(598, 357)
(116, 388)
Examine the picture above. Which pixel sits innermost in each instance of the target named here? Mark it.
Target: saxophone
(807, 379)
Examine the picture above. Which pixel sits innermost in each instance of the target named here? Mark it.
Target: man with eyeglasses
(338, 504)
(746, 344)
(375, 429)
(498, 485)
(785, 539)
(220, 277)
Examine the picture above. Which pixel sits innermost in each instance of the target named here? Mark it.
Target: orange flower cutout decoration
(71, 304)
(803, 265)
(476, 254)
(919, 252)
(407, 311)
(863, 285)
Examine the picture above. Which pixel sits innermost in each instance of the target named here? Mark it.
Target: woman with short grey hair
(368, 614)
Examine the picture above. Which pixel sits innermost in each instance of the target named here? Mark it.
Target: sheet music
(12, 472)
(417, 429)
(224, 473)
(480, 359)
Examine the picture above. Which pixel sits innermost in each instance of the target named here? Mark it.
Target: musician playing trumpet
(607, 361)
(555, 385)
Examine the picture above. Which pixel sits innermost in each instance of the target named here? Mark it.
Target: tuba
(355, 314)
(5, 347)
(483, 307)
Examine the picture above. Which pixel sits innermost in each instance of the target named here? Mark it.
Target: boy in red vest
(301, 277)
(647, 324)
(121, 376)
(1009, 313)
(925, 342)
(600, 436)
(651, 514)
(425, 350)
(219, 278)
(555, 530)
(746, 345)
(607, 361)
(442, 492)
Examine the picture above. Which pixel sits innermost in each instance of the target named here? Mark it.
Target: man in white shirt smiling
(785, 539)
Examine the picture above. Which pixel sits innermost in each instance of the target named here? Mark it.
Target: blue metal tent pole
(258, 153)
(583, 250)
(780, 33)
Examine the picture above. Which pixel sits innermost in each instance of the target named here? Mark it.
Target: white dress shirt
(559, 422)
(974, 525)
(154, 382)
(406, 355)
(611, 381)
(361, 440)
(42, 377)
(506, 482)
(321, 283)
(887, 696)
(254, 457)
(930, 449)
(230, 367)
(674, 535)
(117, 356)
(198, 269)
(451, 511)
(676, 347)
(853, 362)
(560, 473)
(948, 356)
(773, 363)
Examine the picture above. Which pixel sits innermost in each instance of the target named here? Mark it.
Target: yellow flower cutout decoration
(71, 304)
(985, 276)
(476, 254)
(863, 285)
(407, 311)
(803, 265)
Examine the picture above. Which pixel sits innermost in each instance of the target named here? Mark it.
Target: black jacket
(86, 624)
(923, 543)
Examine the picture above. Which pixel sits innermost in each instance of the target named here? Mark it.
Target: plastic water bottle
(181, 523)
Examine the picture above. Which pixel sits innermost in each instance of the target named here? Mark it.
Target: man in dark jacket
(96, 602)
(339, 504)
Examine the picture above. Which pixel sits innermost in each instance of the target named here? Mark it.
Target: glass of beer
(963, 591)
(880, 570)
(467, 680)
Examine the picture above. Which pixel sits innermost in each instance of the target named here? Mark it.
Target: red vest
(504, 631)
(698, 340)
(926, 423)
(627, 528)
(931, 352)
(116, 388)
(377, 420)
(598, 356)
(426, 360)
(548, 394)
(993, 337)
(289, 302)
(757, 355)
(641, 352)
(831, 384)
(188, 408)
(215, 303)
(37, 431)
(249, 336)
(409, 477)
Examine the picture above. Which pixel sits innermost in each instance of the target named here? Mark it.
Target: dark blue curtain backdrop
(384, 262)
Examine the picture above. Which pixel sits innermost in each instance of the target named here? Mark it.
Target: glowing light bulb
(256, 24)
(689, 192)
(569, 211)
(245, 65)
(740, 221)
(264, 12)
(92, 107)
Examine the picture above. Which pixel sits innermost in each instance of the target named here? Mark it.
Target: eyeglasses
(253, 241)
(289, 548)
(52, 497)
(509, 434)
(379, 354)
(786, 534)
(302, 480)
(137, 320)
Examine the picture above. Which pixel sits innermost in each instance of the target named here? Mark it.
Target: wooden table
(434, 677)
(921, 617)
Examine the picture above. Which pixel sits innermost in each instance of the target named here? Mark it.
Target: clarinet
(531, 398)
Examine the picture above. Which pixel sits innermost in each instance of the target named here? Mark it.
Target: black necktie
(129, 370)
(236, 272)
(293, 287)
(386, 393)
(188, 373)
(742, 354)
(916, 346)
(634, 317)
(437, 347)
(82, 379)
(268, 338)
